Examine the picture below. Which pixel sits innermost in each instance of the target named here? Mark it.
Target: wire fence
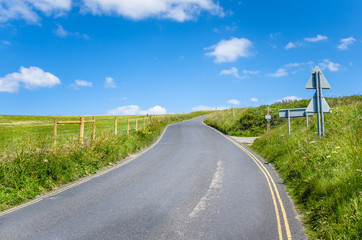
(15, 137)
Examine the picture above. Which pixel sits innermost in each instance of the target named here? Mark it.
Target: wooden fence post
(94, 129)
(115, 125)
(55, 133)
(136, 124)
(127, 126)
(81, 130)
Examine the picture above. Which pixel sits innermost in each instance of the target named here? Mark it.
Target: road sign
(313, 105)
(318, 104)
(294, 113)
(267, 117)
(312, 82)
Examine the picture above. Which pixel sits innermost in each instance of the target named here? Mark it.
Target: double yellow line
(272, 187)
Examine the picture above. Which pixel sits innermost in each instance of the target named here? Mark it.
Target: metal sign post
(318, 104)
(268, 117)
(294, 113)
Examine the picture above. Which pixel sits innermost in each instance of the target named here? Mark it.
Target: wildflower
(358, 170)
(312, 142)
(45, 160)
(328, 156)
(338, 147)
(334, 152)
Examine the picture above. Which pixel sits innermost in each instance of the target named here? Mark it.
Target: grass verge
(322, 175)
(35, 168)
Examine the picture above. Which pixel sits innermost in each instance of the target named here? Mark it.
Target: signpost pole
(288, 121)
(318, 103)
(306, 118)
(268, 125)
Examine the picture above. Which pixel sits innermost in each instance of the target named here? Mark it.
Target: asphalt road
(193, 184)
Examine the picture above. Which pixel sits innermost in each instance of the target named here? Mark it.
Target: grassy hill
(323, 175)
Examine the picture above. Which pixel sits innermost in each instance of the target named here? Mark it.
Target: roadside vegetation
(36, 167)
(323, 175)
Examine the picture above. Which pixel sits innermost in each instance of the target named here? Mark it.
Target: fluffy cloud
(345, 42)
(316, 39)
(208, 108)
(61, 32)
(301, 43)
(331, 66)
(234, 71)
(109, 83)
(231, 71)
(81, 83)
(234, 101)
(136, 110)
(30, 78)
(281, 72)
(230, 50)
(254, 100)
(179, 10)
(293, 45)
(288, 99)
(26, 9)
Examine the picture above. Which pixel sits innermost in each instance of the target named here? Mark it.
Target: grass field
(34, 167)
(323, 175)
(19, 131)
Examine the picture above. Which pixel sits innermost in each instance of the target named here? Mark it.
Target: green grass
(322, 175)
(34, 167)
(17, 131)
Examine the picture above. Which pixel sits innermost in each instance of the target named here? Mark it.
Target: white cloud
(254, 100)
(234, 71)
(6, 42)
(30, 78)
(234, 101)
(293, 45)
(26, 9)
(281, 72)
(81, 83)
(230, 50)
(331, 66)
(316, 39)
(61, 32)
(109, 83)
(179, 10)
(136, 110)
(345, 42)
(208, 108)
(231, 71)
(289, 99)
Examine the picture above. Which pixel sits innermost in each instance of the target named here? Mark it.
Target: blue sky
(94, 57)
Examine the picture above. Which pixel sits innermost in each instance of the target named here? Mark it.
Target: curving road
(194, 183)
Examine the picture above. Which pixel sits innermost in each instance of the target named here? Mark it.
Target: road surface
(194, 183)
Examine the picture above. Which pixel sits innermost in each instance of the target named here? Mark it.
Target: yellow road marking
(266, 174)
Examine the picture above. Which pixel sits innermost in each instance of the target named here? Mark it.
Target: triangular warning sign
(312, 106)
(312, 82)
